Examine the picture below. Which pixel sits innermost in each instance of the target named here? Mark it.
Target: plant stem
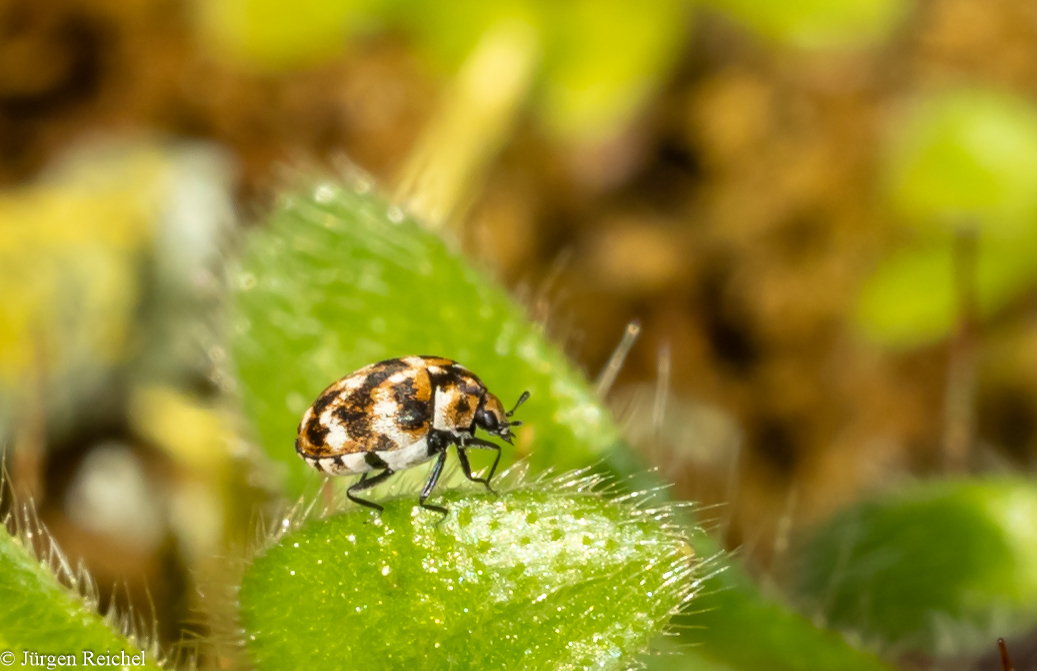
(959, 408)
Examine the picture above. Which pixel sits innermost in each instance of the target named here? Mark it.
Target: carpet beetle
(400, 413)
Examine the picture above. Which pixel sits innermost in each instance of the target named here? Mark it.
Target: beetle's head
(491, 418)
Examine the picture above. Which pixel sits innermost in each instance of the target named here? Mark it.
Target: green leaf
(339, 279)
(39, 614)
(943, 568)
(911, 299)
(967, 157)
(604, 59)
(731, 624)
(818, 24)
(545, 576)
(448, 31)
(275, 35)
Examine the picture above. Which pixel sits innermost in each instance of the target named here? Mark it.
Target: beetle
(397, 414)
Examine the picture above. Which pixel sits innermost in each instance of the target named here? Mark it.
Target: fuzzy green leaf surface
(536, 578)
(944, 568)
(39, 614)
(339, 279)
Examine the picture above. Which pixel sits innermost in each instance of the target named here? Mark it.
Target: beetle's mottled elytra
(400, 413)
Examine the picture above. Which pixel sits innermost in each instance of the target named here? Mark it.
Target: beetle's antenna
(522, 399)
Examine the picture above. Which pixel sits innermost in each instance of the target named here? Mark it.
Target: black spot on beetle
(374, 461)
(359, 428)
(384, 444)
(441, 379)
(355, 419)
(316, 433)
(412, 414)
(322, 403)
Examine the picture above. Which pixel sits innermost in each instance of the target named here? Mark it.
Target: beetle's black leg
(472, 441)
(438, 441)
(462, 456)
(437, 468)
(365, 483)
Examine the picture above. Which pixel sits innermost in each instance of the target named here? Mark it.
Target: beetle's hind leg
(462, 456)
(367, 483)
(433, 478)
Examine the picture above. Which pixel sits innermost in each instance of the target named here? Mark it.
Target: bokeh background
(823, 217)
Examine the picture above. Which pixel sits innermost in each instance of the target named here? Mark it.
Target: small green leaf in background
(449, 31)
(542, 577)
(943, 568)
(604, 59)
(962, 160)
(339, 279)
(967, 157)
(732, 624)
(911, 299)
(818, 24)
(274, 35)
(39, 614)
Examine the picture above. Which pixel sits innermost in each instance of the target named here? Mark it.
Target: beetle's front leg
(471, 441)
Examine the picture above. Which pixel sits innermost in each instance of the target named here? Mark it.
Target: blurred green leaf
(818, 24)
(448, 31)
(339, 279)
(542, 577)
(968, 158)
(943, 568)
(911, 299)
(965, 160)
(604, 59)
(733, 625)
(275, 35)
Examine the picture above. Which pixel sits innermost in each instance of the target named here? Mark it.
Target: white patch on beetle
(346, 464)
(445, 399)
(402, 376)
(407, 457)
(337, 436)
(383, 418)
(353, 382)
